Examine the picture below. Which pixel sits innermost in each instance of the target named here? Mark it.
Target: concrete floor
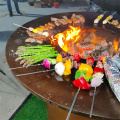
(12, 94)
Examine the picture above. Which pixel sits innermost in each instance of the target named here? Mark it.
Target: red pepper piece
(82, 83)
(77, 57)
(97, 69)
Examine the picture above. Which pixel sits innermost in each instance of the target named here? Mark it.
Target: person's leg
(9, 7)
(17, 7)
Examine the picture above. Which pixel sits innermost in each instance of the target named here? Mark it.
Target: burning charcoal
(113, 76)
(102, 50)
(89, 37)
(86, 54)
(95, 54)
(110, 49)
(118, 52)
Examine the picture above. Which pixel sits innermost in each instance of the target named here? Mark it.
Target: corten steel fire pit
(61, 93)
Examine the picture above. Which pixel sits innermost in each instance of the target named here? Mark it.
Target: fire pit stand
(59, 94)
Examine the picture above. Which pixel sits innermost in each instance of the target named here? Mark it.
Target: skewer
(35, 72)
(30, 28)
(24, 66)
(92, 103)
(114, 13)
(99, 18)
(108, 18)
(20, 26)
(33, 30)
(73, 104)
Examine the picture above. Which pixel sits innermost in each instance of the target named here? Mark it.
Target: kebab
(108, 18)
(82, 80)
(99, 18)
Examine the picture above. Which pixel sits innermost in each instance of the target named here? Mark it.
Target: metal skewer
(25, 66)
(73, 104)
(114, 13)
(105, 12)
(35, 72)
(20, 26)
(92, 103)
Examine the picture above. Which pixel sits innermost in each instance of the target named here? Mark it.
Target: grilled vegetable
(88, 68)
(82, 83)
(59, 68)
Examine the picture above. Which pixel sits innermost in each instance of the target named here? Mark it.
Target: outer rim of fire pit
(30, 82)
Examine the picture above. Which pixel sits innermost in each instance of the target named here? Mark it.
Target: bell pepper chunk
(97, 69)
(88, 68)
(67, 65)
(59, 58)
(82, 83)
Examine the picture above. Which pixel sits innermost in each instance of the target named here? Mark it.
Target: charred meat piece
(51, 24)
(66, 19)
(59, 21)
(114, 22)
(77, 18)
(64, 22)
(32, 40)
(81, 18)
(36, 36)
(117, 26)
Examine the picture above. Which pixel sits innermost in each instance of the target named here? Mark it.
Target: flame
(116, 43)
(68, 35)
(76, 40)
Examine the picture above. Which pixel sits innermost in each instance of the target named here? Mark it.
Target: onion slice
(59, 68)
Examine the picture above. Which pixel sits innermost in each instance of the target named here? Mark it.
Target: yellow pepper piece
(86, 67)
(104, 59)
(59, 58)
(35, 31)
(67, 65)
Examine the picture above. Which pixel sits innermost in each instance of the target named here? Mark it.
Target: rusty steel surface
(61, 93)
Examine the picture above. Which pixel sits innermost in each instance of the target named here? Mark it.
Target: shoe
(10, 14)
(19, 13)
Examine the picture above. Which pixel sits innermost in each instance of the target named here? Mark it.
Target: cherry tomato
(77, 57)
(90, 59)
